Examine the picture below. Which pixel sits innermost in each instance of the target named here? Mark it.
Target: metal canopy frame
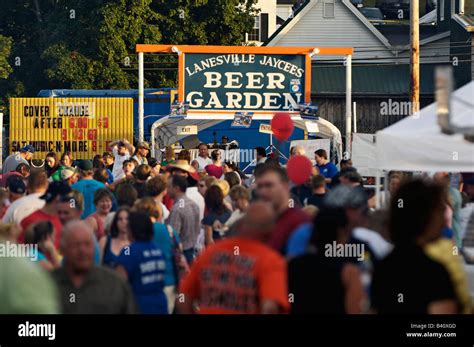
(309, 52)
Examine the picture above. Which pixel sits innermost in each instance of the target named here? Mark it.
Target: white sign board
(364, 154)
(265, 128)
(229, 155)
(187, 130)
(312, 127)
(310, 146)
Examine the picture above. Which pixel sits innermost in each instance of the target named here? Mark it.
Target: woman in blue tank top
(112, 244)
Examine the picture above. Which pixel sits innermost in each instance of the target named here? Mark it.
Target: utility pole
(414, 56)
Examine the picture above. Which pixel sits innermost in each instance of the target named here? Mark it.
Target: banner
(244, 82)
(83, 126)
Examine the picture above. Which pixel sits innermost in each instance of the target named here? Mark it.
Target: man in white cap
(143, 148)
(69, 176)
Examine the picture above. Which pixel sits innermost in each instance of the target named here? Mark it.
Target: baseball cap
(27, 148)
(85, 165)
(55, 189)
(346, 197)
(16, 185)
(107, 154)
(66, 173)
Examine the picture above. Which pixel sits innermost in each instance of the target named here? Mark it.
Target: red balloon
(299, 169)
(282, 126)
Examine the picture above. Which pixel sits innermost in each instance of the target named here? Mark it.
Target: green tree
(103, 38)
(206, 22)
(5, 49)
(91, 43)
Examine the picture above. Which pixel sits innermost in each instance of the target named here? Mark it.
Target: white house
(273, 13)
(332, 23)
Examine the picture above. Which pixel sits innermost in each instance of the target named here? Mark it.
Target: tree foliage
(5, 49)
(90, 44)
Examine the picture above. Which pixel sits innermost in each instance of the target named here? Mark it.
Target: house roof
(287, 22)
(399, 34)
(286, 2)
(370, 80)
(307, 6)
(467, 22)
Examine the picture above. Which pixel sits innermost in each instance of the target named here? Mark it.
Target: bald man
(239, 275)
(85, 288)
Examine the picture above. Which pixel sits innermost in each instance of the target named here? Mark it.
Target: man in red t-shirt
(56, 190)
(273, 186)
(239, 275)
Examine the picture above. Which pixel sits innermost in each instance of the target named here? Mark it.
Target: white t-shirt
(203, 162)
(117, 170)
(140, 161)
(23, 207)
(165, 211)
(379, 245)
(193, 194)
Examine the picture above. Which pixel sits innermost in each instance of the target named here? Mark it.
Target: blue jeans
(189, 255)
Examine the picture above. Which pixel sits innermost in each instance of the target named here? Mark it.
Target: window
(441, 10)
(255, 33)
(328, 10)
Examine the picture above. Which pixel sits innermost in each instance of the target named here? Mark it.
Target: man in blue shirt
(87, 186)
(326, 168)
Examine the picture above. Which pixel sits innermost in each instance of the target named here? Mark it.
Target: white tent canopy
(164, 130)
(416, 143)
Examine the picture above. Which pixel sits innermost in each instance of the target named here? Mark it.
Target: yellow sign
(187, 130)
(265, 128)
(83, 126)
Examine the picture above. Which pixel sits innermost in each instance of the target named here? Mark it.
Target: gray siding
(345, 30)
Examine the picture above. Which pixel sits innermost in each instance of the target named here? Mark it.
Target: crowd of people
(127, 233)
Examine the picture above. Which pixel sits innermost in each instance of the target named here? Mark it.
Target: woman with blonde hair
(225, 187)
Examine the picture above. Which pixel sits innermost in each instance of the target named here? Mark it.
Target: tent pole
(348, 64)
(377, 190)
(153, 127)
(355, 116)
(141, 111)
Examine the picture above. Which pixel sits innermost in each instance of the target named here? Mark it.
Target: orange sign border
(183, 49)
